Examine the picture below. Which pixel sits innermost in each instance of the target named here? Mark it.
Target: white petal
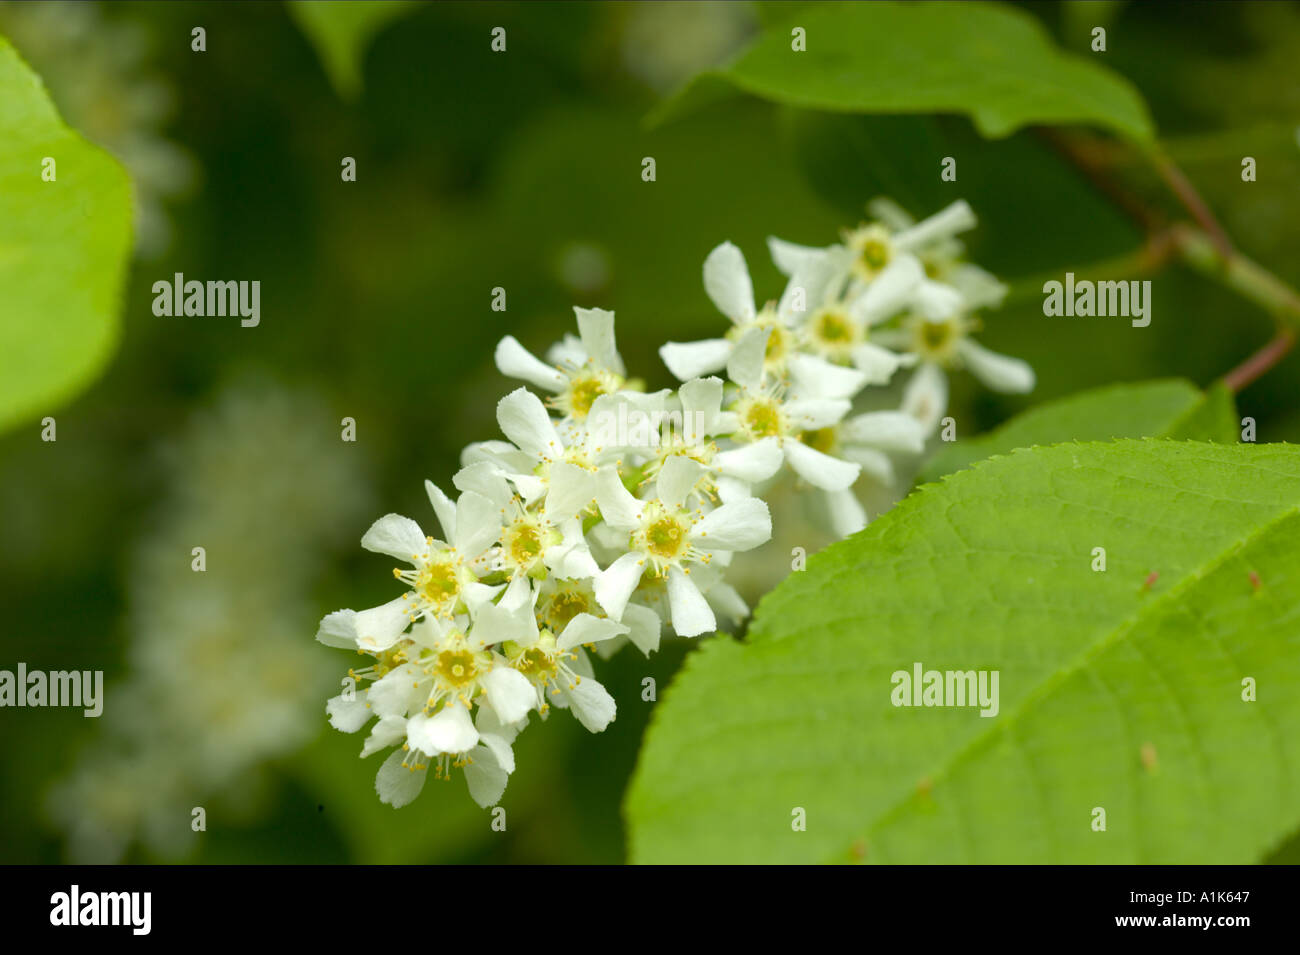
(584, 629)
(501, 453)
(740, 525)
(596, 326)
(616, 582)
(524, 420)
(396, 536)
(380, 627)
(444, 508)
(516, 361)
(999, 372)
(733, 489)
(978, 288)
(886, 430)
(386, 732)
(745, 366)
(396, 784)
(944, 224)
(394, 694)
(846, 513)
(820, 470)
(726, 280)
(879, 364)
(677, 479)
(483, 478)
(702, 395)
(789, 257)
(339, 629)
(478, 524)
(450, 730)
(874, 463)
(926, 396)
(591, 704)
(348, 715)
(691, 613)
(618, 507)
(936, 301)
(571, 557)
(485, 778)
(644, 627)
(510, 693)
(567, 351)
(497, 623)
(476, 595)
(889, 291)
(689, 360)
(813, 414)
(572, 489)
(530, 488)
(752, 462)
(725, 600)
(890, 213)
(817, 378)
(498, 745)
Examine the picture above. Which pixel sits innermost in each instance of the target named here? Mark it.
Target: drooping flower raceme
(604, 515)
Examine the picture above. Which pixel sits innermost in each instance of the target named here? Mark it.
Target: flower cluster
(609, 515)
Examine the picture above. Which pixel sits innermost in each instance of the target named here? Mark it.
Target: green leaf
(341, 30)
(996, 64)
(1115, 691)
(64, 246)
(1170, 408)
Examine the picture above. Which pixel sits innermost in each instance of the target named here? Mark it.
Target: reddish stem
(1260, 362)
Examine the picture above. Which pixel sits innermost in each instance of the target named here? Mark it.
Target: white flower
(584, 369)
(872, 251)
(487, 762)
(763, 411)
(443, 577)
(727, 282)
(537, 460)
(866, 440)
(945, 343)
(666, 539)
(554, 663)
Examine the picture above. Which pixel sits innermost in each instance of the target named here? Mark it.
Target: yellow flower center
(456, 667)
(761, 417)
(563, 606)
(872, 250)
(535, 662)
(823, 439)
(438, 582)
(937, 341)
(665, 537)
(583, 392)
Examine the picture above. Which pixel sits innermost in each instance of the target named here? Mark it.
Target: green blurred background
(476, 170)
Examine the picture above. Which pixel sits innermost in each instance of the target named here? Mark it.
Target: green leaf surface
(341, 31)
(993, 63)
(1170, 408)
(1115, 690)
(64, 247)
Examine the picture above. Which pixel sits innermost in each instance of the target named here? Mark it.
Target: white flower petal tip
(999, 372)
